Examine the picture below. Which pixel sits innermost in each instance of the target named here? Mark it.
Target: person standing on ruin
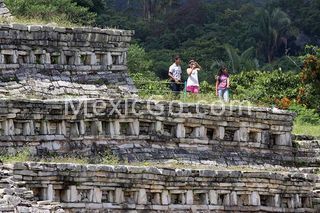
(175, 72)
(193, 81)
(223, 84)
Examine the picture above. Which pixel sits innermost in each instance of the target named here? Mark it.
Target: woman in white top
(193, 81)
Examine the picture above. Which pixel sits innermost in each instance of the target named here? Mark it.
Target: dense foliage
(216, 31)
(310, 77)
(210, 31)
(51, 11)
(265, 87)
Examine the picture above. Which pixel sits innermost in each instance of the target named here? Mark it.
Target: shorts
(193, 89)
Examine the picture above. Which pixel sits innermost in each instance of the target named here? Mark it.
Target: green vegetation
(25, 156)
(307, 121)
(109, 158)
(22, 156)
(62, 12)
(306, 129)
(265, 87)
(271, 30)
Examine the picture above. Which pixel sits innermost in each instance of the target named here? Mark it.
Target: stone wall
(138, 130)
(78, 55)
(4, 12)
(307, 152)
(91, 188)
(15, 197)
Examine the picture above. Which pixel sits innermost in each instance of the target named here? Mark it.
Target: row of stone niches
(62, 58)
(135, 127)
(78, 194)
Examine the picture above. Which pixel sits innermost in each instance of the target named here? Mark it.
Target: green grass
(36, 21)
(109, 159)
(22, 156)
(306, 129)
(67, 159)
(25, 156)
(203, 98)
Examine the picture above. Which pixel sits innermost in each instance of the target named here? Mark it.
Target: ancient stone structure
(4, 12)
(85, 188)
(138, 130)
(49, 61)
(65, 91)
(15, 197)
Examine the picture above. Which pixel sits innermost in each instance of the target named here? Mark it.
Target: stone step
(303, 137)
(312, 170)
(316, 200)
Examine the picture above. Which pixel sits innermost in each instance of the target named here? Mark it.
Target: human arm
(189, 71)
(228, 82)
(173, 78)
(217, 84)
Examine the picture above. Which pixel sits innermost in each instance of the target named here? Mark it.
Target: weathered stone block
(213, 197)
(233, 199)
(96, 195)
(189, 197)
(254, 199)
(142, 197)
(180, 131)
(165, 197)
(119, 196)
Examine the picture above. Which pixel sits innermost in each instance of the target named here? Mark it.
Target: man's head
(177, 60)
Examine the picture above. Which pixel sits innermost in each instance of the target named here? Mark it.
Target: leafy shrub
(146, 81)
(305, 115)
(206, 87)
(310, 77)
(149, 84)
(138, 60)
(265, 87)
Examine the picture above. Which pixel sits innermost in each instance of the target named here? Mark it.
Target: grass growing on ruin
(36, 21)
(306, 129)
(65, 159)
(205, 98)
(22, 156)
(25, 156)
(110, 159)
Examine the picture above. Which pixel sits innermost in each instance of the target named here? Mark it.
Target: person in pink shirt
(223, 84)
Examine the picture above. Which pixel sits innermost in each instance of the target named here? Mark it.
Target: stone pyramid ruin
(66, 91)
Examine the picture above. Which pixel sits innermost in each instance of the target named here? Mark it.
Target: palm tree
(271, 31)
(240, 62)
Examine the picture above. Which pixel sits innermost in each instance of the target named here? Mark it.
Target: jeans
(224, 94)
(176, 88)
